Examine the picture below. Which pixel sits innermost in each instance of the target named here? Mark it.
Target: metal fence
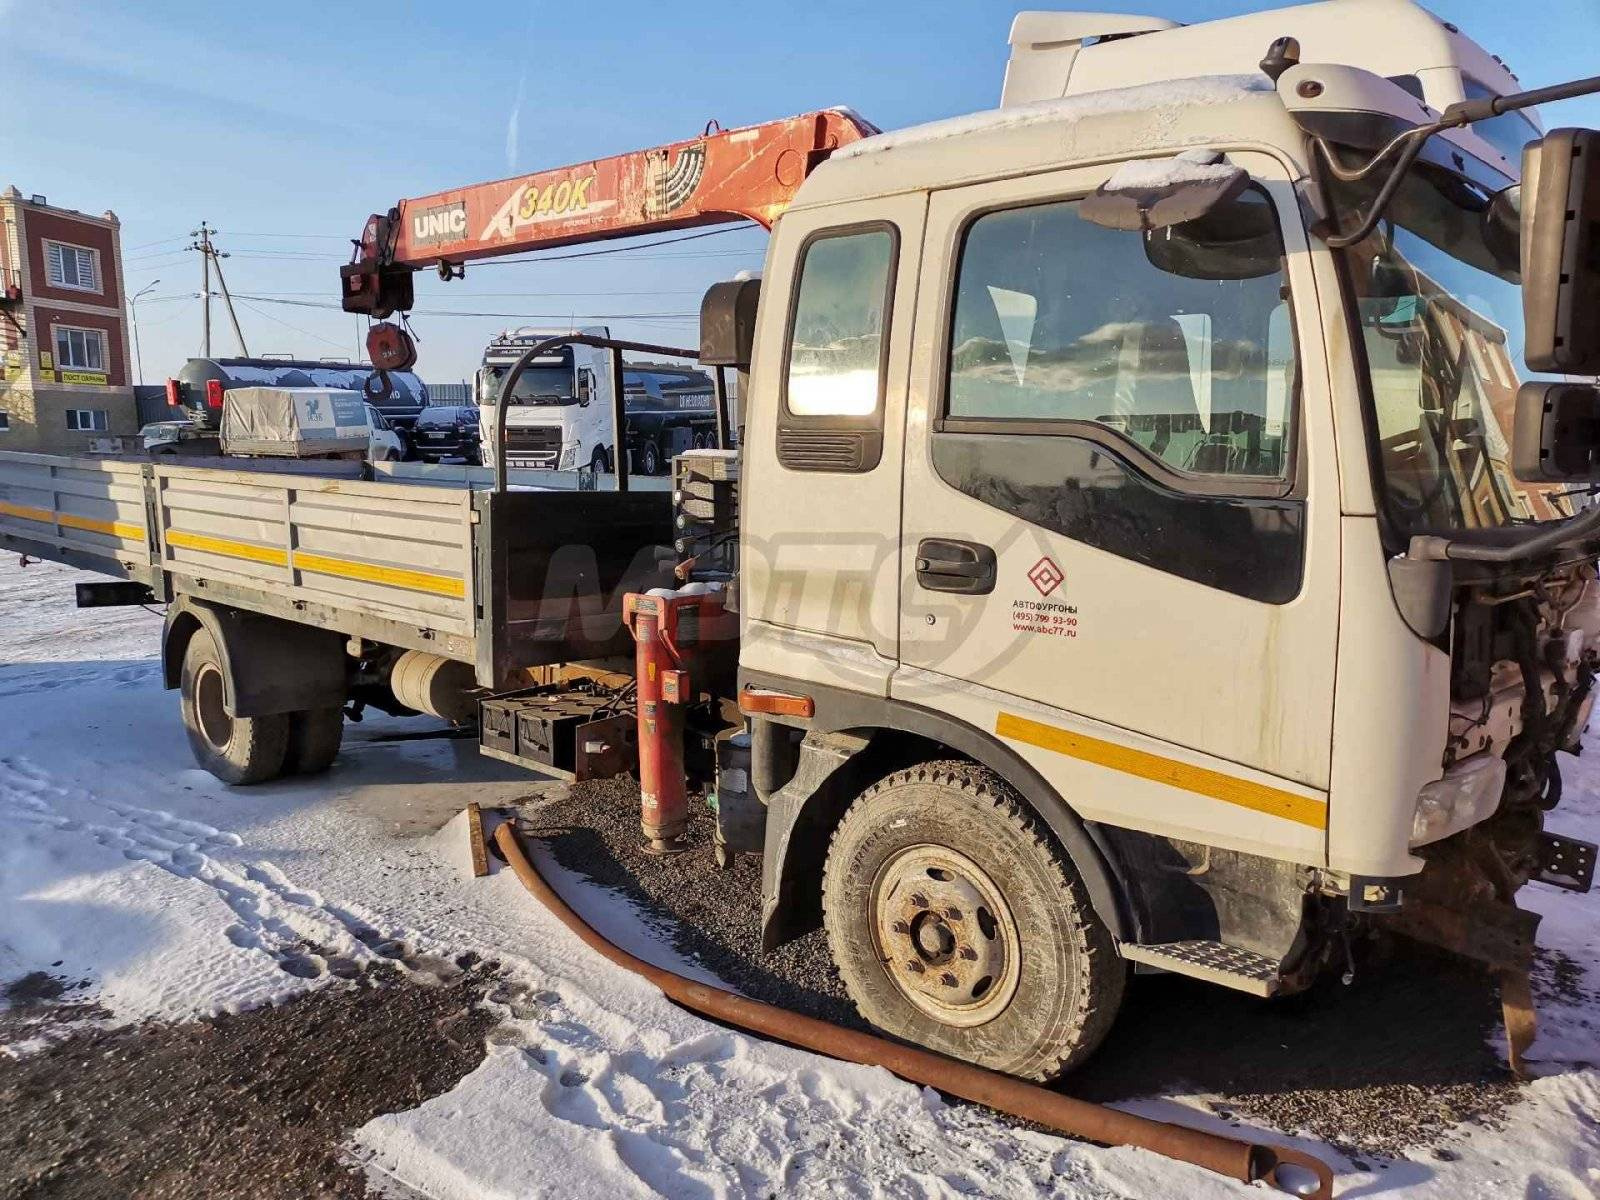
(449, 393)
(151, 401)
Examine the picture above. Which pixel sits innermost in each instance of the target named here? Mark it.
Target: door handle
(946, 565)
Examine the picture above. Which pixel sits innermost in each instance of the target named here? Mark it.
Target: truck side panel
(88, 512)
(386, 551)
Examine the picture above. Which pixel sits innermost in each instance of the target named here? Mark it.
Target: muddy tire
(238, 750)
(957, 924)
(314, 737)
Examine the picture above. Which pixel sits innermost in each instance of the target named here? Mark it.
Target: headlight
(569, 458)
(1469, 792)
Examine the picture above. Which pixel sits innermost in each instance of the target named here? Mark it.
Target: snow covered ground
(124, 866)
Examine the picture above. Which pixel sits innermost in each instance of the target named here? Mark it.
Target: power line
(306, 332)
(520, 295)
(318, 237)
(157, 242)
(162, 254)
(561, 316)
(690, 237)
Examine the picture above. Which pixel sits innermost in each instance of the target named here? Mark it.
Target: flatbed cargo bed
(502, 581)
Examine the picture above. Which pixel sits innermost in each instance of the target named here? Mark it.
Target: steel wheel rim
(210, 708)
(945, 935)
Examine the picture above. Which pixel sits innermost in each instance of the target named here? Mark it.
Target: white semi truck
(1153, 547)
(559, 418)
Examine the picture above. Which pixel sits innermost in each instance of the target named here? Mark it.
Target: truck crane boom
(721, 177)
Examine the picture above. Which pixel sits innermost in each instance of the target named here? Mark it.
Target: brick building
(64, 374)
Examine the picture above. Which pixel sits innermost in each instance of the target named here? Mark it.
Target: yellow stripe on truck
(228, 548)
(416, 581)
(118, 529)
(321, 564)
(1230, 789)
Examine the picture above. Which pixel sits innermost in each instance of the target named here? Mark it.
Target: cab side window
(1133, 391)
(832, 415)
(1057, 319)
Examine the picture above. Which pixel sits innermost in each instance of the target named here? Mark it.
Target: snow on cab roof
(1174, 95)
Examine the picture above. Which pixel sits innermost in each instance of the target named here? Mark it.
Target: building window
(5, 422)
(80, 349)
(87, 420)
(75, 267)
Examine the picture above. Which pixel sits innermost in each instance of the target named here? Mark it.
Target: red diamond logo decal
(1045, 576)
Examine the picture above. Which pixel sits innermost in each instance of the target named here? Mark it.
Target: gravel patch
(1394, 1062)
(704, 912)
(250, 1105)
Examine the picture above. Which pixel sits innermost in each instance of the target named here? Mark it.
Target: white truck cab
(560, 417)
(1100, 623)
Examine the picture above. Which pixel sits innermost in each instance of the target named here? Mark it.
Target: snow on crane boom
(720, 177)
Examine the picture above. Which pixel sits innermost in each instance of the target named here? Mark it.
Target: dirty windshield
(1440, 310)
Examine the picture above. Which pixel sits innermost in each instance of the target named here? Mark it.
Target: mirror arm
(1574, 529)
(1402, 164)
(1354, 175)
(1463, 112)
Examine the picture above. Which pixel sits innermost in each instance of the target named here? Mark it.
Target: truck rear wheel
(956, 923)
(649, 458)
(236, 750)
(314, 738)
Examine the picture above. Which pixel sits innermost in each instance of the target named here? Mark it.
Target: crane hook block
(390, 347)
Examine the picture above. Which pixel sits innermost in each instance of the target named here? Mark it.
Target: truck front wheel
(236, 750)
(957, 924)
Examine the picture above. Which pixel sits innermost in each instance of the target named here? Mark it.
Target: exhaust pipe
(1287, 1169)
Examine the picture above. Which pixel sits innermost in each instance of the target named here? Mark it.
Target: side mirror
(1561, 252)
(728, 323)
(1156, 193)
(1556, 437)
(1234, 239)
(585, 387)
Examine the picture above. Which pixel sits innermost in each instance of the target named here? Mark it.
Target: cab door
(1120, 549)
(820, 516)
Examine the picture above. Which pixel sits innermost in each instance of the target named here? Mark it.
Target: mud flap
(1522, 1023)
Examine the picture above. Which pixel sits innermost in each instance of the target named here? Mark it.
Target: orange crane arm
(718, 178)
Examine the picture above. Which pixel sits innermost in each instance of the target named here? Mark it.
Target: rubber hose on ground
(1247, 1161)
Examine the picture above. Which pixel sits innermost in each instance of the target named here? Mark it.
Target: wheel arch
(268, 665)
(892, 734)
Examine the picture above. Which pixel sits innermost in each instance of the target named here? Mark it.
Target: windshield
(538, 385)
(1440, 307)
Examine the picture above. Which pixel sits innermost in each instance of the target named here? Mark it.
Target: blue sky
(284, 125)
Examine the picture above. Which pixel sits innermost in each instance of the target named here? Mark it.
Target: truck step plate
(1215, 962)
(1565, 862)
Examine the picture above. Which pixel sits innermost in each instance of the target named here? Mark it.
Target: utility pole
(204, 246)
(210, 257)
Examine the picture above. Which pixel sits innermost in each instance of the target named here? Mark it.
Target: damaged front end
(1523, 664)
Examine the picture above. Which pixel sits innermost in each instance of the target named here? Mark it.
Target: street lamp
(133, 310)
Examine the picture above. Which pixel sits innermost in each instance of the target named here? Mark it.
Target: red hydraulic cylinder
(669, 629)
(663, 790)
